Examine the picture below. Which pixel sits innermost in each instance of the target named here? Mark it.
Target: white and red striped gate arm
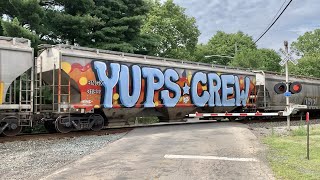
(232, 114)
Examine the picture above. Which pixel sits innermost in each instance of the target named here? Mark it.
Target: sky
(252, 17)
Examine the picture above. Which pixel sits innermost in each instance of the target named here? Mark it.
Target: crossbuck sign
(288, 57)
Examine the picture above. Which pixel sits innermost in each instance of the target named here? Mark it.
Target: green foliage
(106, 24)
(75, 7)
(239, 46)
(148, 120)
(200, 52)
(228, 45)
(300, 131)
(287, 154)
(113, 25)
(122, 20)
(308, 46)
(38, 128)
(261, 59)
(308, 43)
(308, 66)
(22, 18)
(175, 32)
(1, 29)
(14, 29)
(47, 94)
(74, 29)
(28, 12)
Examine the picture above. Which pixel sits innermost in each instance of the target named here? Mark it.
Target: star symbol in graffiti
(186, 89)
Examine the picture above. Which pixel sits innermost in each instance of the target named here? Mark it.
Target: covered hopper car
(73, 88)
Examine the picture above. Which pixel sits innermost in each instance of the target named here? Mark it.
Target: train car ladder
(55, 90)
(65, 105)
(38, 98)
(26, 93)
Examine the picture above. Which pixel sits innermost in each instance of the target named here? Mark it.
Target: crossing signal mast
(287, 88)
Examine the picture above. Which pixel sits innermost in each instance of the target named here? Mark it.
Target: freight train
(72, 88)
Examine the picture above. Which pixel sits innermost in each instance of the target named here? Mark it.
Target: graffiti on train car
(113, 85)
(133, 81)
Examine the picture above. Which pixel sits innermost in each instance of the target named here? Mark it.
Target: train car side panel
(130, 86)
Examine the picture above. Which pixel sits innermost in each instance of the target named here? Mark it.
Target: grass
(287, 154)
(39, 128)
(148, 120)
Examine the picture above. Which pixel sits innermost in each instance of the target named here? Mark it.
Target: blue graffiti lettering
(129, 81)
(214, 99)
(227, 80)
(152, 75)
(244, 93)
(125, 98)
(108, 83)
(196, 99)
(170, 77)
(237, 91)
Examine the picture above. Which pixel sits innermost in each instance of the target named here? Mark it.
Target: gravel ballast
(262, 129)
(34, 159)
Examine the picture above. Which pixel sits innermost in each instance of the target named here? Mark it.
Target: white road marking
(171, 156)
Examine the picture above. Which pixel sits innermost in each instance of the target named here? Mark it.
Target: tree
(22, 19)
(260, 59)
(14, 29)
(122, 23)
(308, 47)
(308, 66)
(200, 52)
(308, 43)
(1, 29)
(176, 34)
(28, 12)
(106, 24)
(67, 28)
(228, 45)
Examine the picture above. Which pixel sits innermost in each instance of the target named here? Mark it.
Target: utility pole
(287, 83)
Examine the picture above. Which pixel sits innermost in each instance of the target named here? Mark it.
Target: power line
(274, 17)
(273, 22)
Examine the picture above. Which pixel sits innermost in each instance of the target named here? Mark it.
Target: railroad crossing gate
(288, 57)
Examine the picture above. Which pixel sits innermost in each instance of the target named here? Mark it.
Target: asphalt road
(195, 151)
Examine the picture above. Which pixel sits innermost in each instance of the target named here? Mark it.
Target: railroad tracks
(52, 136)
(106, 131)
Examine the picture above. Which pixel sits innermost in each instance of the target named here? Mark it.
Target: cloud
(302, 29)
(252, 17)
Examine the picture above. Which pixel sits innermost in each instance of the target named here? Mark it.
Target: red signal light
(295, 87)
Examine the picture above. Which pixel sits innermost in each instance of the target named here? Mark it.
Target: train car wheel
(63, 124)
(10, 126)
(97, 122)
